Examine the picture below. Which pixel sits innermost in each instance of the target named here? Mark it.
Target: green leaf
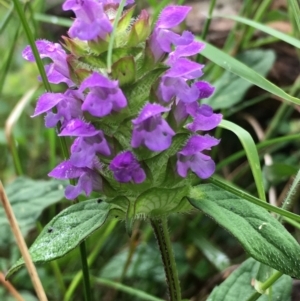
(66, 230)
(250, 198)
(231, 88)
(272, 32)
(261, 235)
(251, 152)
(279, 172)
(215, 256)
(237, 287)
(145, 264)
(233, 65)
(28, 199)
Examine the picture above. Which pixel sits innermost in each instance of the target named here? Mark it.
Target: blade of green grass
(6, 18)
(208, 19)
(6, 64)
(126, 289)
(295, 11)
(233, 65)
(273, 32)
(251, 152)
(261, 10)
(53, 20)
(240, 154)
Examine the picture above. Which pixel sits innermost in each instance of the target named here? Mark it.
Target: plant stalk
(160, 228)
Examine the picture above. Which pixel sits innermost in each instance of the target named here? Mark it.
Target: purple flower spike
(89, 181)
(104, 97)
(151, 130)
(84, 150)
(58, 71)
(68, 106)
(205, 119)
(91, 21)
(191, 157)
(126, 168)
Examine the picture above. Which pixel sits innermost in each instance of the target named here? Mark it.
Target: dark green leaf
(261, 235)
(213, 254)
(28, 199)
(144, 264)
(278, 172)
(237, 287)
(231, 88)
(65, 231)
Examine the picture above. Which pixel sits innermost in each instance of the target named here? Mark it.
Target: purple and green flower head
(135, 126)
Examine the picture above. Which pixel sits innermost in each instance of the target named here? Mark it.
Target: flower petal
(65, 170)
(46, 102)
(77, 127)
(172, 15)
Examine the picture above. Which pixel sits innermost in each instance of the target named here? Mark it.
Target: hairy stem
(160, 228)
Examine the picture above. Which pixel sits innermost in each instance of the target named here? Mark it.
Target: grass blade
(296, 12)
(233, 65)
(272, 32)
(251, 152)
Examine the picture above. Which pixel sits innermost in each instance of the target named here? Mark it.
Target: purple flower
(104, 97)
(84, 149)
(91, 21)
(205, 89)
(105, 2)
(68, 106)
(151, 130)
(89, 179)
(162, 37)
(65, 170)
(174, 81)
(191, 157)
(204, 119)
(185, 51)
(90, 142)
(126, 168)
(58, 71)
(77, 127)
(183, 110)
